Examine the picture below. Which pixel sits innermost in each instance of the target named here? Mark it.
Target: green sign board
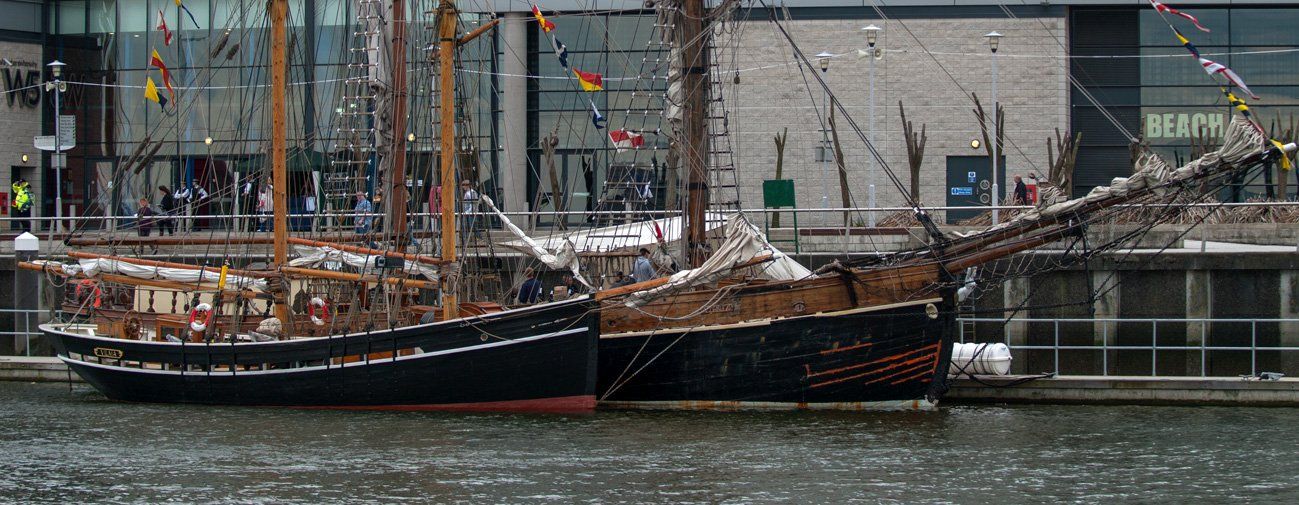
(778, 193)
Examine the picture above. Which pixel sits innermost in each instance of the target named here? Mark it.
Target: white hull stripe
(423, 355)
(768, 321)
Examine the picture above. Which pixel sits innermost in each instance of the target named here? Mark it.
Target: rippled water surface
(73, 446)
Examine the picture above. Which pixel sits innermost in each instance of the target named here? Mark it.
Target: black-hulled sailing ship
(337, 328)
(743, 327)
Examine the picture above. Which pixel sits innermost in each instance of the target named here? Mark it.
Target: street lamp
(824, 59)
(58, 87)
(872, 34)
(994, 39)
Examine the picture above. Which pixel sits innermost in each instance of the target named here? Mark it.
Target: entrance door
(969, 184)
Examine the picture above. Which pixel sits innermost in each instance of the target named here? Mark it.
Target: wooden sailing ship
(237, 338)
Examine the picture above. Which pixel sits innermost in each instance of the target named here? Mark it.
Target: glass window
(1177, 68)
(72, 17)
(1264, 27)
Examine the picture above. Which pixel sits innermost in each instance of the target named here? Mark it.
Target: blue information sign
(962, 191)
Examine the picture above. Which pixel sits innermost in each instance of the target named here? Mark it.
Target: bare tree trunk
(780, 166)
(843, 171)
(915, 151)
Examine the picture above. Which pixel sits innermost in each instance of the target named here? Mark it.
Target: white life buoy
(318, 310)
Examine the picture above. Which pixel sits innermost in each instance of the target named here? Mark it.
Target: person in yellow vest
(22, 203)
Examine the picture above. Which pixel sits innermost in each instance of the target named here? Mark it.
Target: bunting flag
(151, 93)
(561, 51)
(624, 140)
(162, 26)
(596, 119)
(590, 81)
(191, 14)
(156, 61)
(1161, 8)
(546, 25)
(1211, 67)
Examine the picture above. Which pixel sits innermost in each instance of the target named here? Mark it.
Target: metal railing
(1203, 328)
(25, 324)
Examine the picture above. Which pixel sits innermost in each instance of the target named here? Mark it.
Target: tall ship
(338, 325)
(713, 316)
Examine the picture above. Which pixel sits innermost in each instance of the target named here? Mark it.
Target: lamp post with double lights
(872, 35)
(994, 39)
(58, 87)
(823, 58)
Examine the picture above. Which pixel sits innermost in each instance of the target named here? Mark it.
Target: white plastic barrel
(994, 359)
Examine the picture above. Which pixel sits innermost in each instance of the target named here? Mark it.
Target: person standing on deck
(469, 207)
(530, 291)
(167, 219)
(144, 218)
(265, 206)
(643, 270)
(363, 209)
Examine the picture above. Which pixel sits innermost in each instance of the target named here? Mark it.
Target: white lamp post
(824, 59)
(58, 87)
(994, 39)
(872, 35)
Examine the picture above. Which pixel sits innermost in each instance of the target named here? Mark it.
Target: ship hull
(536, 359)
(891, 356)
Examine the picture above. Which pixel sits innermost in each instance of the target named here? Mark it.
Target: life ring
(199, 323)
(317, 304)
(94, 291)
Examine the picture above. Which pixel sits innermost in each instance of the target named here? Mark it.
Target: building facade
(1111, 71)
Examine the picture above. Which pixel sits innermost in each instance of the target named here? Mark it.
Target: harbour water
(69, 446)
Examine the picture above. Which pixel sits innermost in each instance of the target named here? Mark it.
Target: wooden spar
(981, 257)
(354, 277)
(279, 146)
(179, 240)
(478, 31)
(397, 196)
(135, 281)
(654, 283)
(691, 38)
(427, 260)
(168, 264)
(447, 18)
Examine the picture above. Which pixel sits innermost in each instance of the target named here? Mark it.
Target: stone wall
(20, 116)
(1032, 86)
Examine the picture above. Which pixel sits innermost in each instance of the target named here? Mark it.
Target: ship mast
(447, 17)
(397, 196)
(694, 64)
(279, 134)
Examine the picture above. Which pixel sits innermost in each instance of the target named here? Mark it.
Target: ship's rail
(1158, 347)
(833, 215)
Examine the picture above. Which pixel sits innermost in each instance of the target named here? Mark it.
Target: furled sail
(317, 257)
(743, 243)
(95, 266)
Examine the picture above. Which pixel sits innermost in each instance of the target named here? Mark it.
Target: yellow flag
(1285, 157)
(151, 92)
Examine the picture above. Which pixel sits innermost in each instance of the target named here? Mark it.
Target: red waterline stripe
(560, 404)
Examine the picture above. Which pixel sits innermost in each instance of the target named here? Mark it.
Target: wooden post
(279, 147)
(450, 195)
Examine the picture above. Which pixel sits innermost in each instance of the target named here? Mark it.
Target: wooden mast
(447, 18)
(694, 141)
(397, 196)
(279, 135)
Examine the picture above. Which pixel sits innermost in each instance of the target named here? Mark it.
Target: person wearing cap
(469, 207)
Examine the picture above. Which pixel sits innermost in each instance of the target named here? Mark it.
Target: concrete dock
(1142, 390)
(34, 369)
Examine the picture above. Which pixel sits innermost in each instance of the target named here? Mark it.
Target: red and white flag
(624, 140)
(166, 32)
(1161, 8)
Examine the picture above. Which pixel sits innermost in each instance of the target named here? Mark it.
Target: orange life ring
(318, 304)
(199, 323)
